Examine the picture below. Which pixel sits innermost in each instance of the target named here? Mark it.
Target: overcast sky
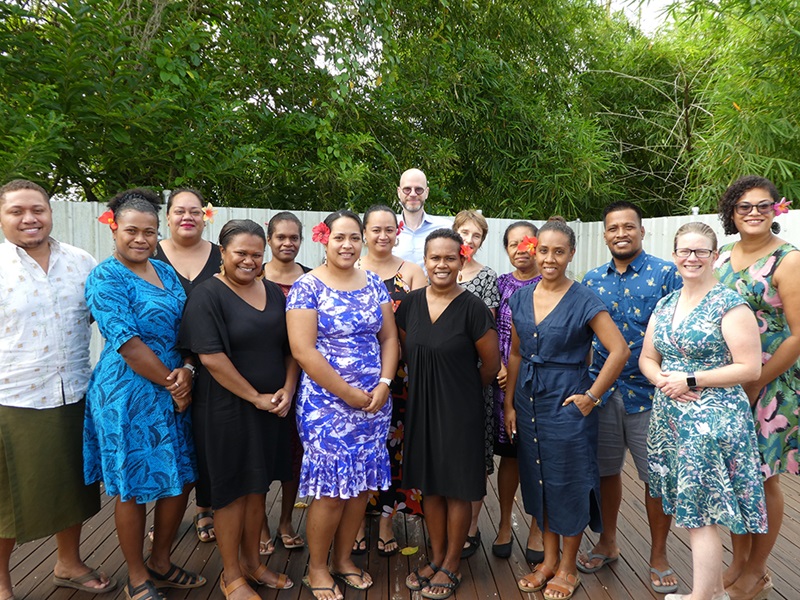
(651, 11)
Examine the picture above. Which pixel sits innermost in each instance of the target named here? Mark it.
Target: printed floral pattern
(702, 455)
(344, 448)
(776, 413)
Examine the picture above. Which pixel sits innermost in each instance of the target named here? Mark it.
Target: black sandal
(422, 581)
(177, 578)
(148, 586)
(204, 529)
(449, 586)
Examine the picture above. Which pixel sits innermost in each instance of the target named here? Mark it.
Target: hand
(674, 385)
(179, 382)
(379, 397)
(182, 403)
(357, 398)
(281, 402)
(753, 391)
(582, 401)
(502, 376)
(511, 422)
(264, 402)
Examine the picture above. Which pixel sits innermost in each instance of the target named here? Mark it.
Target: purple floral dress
(344, 449)
(702, 455)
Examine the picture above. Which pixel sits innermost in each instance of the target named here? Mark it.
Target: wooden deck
(485, 576)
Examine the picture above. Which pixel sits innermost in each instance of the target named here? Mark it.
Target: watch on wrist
(595, 400)
(191, 368)
(387, 381)
(691, 381)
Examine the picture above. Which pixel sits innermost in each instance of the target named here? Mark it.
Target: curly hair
(442, 233)
(138, 199)
(554, 225)
(735, 191)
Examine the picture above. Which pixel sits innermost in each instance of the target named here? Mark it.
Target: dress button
(535, 335)
(536, 440)
(538, 461)
(540, 482)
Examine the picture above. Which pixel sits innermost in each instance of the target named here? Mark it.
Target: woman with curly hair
(763, 268)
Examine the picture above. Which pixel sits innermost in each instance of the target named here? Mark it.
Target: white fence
(76, 223)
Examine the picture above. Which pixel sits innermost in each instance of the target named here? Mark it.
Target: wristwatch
(593, 398)
(191, 368)
(386, 380)
(691, 381)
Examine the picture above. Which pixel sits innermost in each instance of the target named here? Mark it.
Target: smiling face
(754, 223)
(413, 190)
(472, 234)
(691, 267)
(553, 254)
(380, 232)
(520, 259)
(623, 234)
(242, 258)
(344, 243)
(136, 236)
(443, 261)
(185, 217)
(285, 241)
(26, 218)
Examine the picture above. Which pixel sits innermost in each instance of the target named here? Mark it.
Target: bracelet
(593, 398)
(191, 368)
(386, 380)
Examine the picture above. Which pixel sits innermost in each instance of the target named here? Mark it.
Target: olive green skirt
(41, 472)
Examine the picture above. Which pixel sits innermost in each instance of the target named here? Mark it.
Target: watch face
(691, 381)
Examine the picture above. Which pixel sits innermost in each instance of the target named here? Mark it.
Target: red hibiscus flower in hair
(320, 233)
(400, 226)
(466, 251)
(108, 218)
(528, 244)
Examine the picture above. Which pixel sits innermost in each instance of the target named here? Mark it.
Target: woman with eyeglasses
(763, 268)
(700, 348)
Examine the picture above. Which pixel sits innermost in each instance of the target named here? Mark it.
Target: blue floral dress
(133, 440)
(703, 455)
(344, 449)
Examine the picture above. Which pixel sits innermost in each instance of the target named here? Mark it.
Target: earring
(222, 269)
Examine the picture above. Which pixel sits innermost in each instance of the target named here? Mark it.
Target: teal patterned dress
(702, 455)
(777, 410)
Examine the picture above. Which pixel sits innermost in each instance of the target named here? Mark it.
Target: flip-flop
(79, 583)
(307, 583)
(344, 579)
(384, 552)
(294, 541)
(266, 548)
(358, 550)
(662, 589)
(607, 560)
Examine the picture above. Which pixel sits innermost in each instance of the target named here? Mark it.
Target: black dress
(240, 449)
(445, 416)
(210, 269)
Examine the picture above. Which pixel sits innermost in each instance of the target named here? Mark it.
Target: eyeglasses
(698, 252)
(195, 212)
(763, 208)
(417, 190)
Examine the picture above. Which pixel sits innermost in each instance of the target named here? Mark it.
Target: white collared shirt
(44, 345)
(411, 244)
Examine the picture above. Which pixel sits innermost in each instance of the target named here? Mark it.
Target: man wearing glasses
(416, 223)
(630, 285)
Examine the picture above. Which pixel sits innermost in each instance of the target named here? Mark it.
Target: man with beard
(630, 285)
(416, 223)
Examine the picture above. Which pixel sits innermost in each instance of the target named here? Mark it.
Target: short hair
(622, 205)
(236, 227)
(342, 214)
(378, 208)
(188, 190)
(696, 227)
(283, 216)
(22, 184)
(516, 224)
(138, 199)
(735, 191)
(442, 233)
(471, 215)
(560, 227)
(557, 219)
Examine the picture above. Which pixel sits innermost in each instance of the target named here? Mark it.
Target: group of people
(391, 381)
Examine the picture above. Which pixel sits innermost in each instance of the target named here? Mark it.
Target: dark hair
(557, 219)
(560, 227)
(283, 216)
(622, 205)
(22, 184)
(138, 199)
(735, 191)
(698, 228)
(439, 234)
(342, 214)
(174, 193)
(516, 224)
(236, 227)
(378, 208)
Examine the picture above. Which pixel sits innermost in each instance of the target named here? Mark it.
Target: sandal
(383, 551)
(79, 583)
(344, 577)
(227, 590)
(204, 530)
(357, 549)
(284, 583)
(314, 590)
(450, 586)
(421, 581)
(473, 543)
(661, 587)
(290, 542)
(148, 586)
(266, 548)
(538, 578)
(177, 578)
(563, 583)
